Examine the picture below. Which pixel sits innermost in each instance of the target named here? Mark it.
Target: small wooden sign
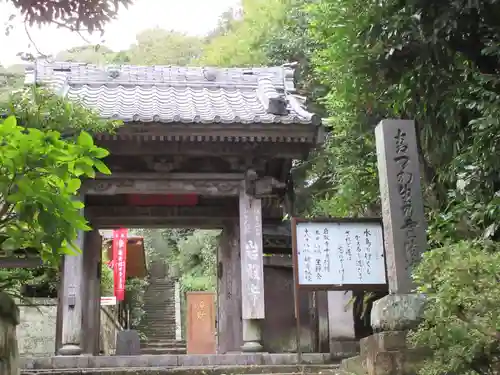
(339, 254)
(108, 301)
(336, 254)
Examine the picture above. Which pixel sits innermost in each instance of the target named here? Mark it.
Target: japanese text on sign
(251, 258)
(404, 182)
(339, 253)
(119, 262)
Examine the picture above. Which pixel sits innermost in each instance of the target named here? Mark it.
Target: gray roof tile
(178, 94)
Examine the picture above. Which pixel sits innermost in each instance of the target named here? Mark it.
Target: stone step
(191, 370)
(224, 363)
(162, 351)
(165, 341)
(158, 371)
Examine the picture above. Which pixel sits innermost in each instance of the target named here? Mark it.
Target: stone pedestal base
(385, 353)
(343, 348)
(69, 349)
(252, 336)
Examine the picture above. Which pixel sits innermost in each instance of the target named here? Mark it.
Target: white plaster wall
(340, 316)
(178, 319)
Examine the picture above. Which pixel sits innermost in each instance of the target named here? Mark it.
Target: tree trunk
(9, 319)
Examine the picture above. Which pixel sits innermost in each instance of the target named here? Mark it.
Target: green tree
(162, 47)
(99, 55)
(42, 163)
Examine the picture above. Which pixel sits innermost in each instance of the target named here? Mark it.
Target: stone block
(128, 343)
(383, 341)
(354, 365)
(397, 312)
(343, 349)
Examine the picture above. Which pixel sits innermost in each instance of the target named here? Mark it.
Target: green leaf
(9, 123)
(73, 185)
(78, 204)
(100, 152)
(85, 139)
(101, 167)
(9, 244)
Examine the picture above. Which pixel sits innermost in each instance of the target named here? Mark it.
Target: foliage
(11, 78)
(162, 47)
(462, 318)
(134, 298)
(107, 281)
(75, 15)
(91, 54)
(197, 261)
(40, 175)
(190, 253)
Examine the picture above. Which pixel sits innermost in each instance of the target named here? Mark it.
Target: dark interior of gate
(200, 148)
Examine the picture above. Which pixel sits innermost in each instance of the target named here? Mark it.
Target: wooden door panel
(201, 323)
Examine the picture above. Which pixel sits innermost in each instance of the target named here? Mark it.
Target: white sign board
(108, 301)
(340, 253)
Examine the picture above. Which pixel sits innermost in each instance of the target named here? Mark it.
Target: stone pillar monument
(404, 223)
(385, 352)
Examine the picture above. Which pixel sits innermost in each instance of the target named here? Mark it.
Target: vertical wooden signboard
(201, 323)
(251, 245)
(337, 254)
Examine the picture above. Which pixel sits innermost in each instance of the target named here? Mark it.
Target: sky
(196, 17)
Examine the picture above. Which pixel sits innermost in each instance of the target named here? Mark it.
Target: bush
(462, 318)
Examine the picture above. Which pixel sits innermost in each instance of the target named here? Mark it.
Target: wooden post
(229, 325)
(92, 254)
(402, 204)
(72, 303)
(252, 271)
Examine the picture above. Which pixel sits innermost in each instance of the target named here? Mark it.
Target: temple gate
(219, 143)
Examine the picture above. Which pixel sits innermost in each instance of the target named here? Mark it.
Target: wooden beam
(267, 150)
(182, 177)
(133, 222)
(161, 212)
(207, 184)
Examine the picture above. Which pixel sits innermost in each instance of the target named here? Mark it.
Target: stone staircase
(205, 370)
(279, 364)
(162, 346)
(158, 323)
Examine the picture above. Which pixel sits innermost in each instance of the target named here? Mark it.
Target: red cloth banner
(119, 261)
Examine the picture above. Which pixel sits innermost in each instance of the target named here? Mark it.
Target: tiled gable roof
(168, 94)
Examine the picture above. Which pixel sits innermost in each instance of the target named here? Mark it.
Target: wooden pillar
(252, 271)
(323, 325)
(91, 319)
(229, 326)
(72, 302)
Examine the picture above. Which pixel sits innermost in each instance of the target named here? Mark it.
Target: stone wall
(109, 324)
(36, 331)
